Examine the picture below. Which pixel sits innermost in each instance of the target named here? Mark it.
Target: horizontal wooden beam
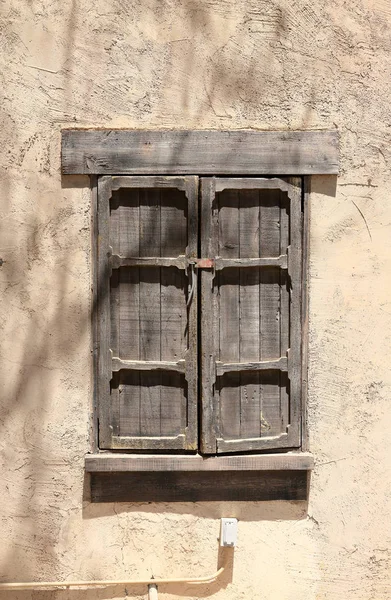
(179, 183)
(158, 443)
(117, 364)
(256, 183)
(279, 261)
(280, 364)
(262, 462)
(242, 486)
(128, 152)
(181, 262)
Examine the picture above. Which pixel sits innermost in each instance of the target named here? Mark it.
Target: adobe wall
(292, 64)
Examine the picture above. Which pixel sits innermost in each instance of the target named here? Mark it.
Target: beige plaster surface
(286, 64)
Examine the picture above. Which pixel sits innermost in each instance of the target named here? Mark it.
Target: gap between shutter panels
(251, 413)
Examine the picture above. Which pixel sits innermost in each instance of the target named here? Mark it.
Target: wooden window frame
(228, 154)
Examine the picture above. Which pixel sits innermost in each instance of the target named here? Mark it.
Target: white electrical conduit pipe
(50, 585)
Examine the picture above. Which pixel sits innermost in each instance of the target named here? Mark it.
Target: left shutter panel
(147, 311)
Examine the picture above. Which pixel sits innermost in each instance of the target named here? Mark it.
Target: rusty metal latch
(204, 263)
(196, 263)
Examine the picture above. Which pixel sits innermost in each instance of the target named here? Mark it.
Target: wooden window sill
(120, 463)
(136, 478)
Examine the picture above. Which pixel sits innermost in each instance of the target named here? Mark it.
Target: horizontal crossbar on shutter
(278, 261)
(157, 443)
(147, 365)
(280, 364)
(180, 262)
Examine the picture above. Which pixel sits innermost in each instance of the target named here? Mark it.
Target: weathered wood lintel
(129, 152)
(109, 463)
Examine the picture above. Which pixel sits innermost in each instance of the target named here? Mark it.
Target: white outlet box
(229, 532)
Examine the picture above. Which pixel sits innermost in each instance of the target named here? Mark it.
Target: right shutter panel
(251, 314)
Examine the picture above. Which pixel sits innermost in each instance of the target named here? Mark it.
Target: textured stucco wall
(286, 64)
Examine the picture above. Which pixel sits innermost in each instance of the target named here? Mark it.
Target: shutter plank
(173, 310)
(209, 405)
(191, 190)
(129, 308)
(249, 313)
(150, 312)
(128, 242)
(295, 273)
(114, 230)
(284, 309)
(270, 312)
(103, 312)
(228, 388)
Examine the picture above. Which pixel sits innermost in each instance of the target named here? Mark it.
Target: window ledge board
(123, 463)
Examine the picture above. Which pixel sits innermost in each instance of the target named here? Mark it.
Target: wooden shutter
(251, 314)
(147, 311)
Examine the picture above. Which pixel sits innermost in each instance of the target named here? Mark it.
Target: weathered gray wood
(125, 239)
(178, 183)
(94, 424)
(129, 348)
(304, 309)
(295, 273)
(270, 310)
(280, 364)
(281, 441)
(103, 314)
(114, 234)
(284, 310)
(147, 365)
(149, 442)
(115, 336)
(229, 243)
(253, 183)
(173, 317)
(242, 486)
(209, 152)
(264, 322)
(191, 191)
(149, 234)
(150, 311)
(249, 312)
(106, 462)
(278, 261)
(181, 262)
(209, 419)
(168, 419)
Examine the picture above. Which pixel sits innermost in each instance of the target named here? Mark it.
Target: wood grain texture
(243, 486)
(209, 417)
(250, 302)
(106, 462)
(280, 364)
(146, 237)
(278, 261)
(104, 152)
(103, 314)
